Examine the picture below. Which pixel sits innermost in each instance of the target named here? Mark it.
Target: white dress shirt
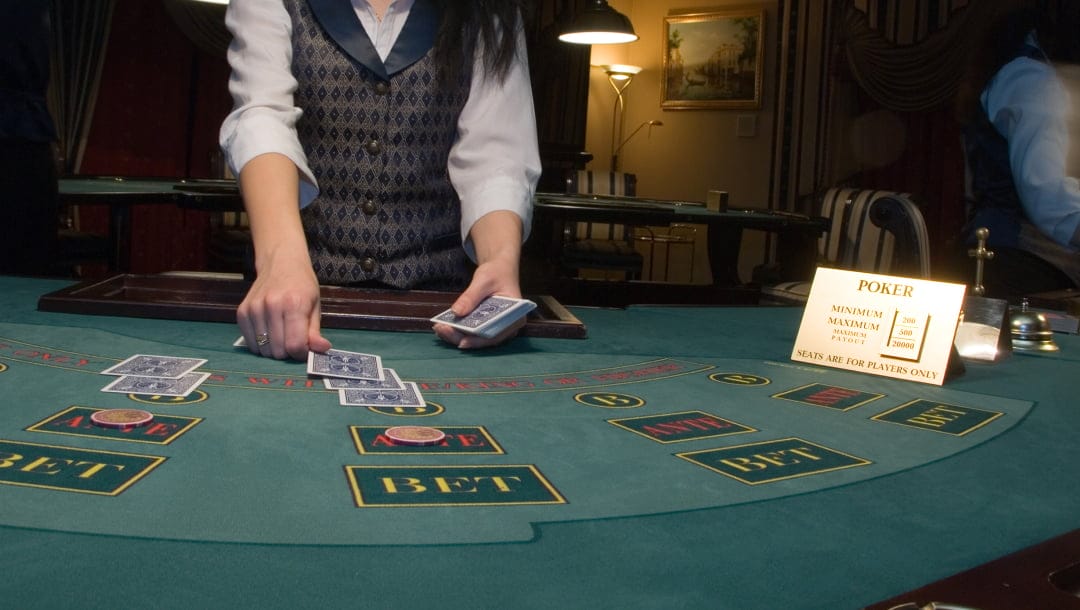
(493, 164)
(1028, 105)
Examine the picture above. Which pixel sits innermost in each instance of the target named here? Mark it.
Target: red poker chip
(415, 436)
(121, 419)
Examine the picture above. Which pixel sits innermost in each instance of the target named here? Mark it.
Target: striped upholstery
(600, 246)
(869, 230)
(586, 181)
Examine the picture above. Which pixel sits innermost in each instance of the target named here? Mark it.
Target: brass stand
(983, 332)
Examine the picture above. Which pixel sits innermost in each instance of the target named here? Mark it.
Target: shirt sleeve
(1028, 105)
(494, 164)
(264, 115)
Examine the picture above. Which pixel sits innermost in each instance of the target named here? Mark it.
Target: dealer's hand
(497, 239)
(494, 278)
(280, 316)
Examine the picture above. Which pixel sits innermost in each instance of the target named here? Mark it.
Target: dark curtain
(202, 23)
(903, 63)
(80, 36)
(560, 82)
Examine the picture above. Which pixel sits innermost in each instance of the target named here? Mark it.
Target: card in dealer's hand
(390, 381)
(365, 397)
(144, 365)
(349, 365)
(491, 317)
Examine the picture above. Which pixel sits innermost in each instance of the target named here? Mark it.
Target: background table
(252, 505)
(120, 193)
(795, 237)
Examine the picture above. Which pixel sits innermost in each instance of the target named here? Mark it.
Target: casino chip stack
(156, 375)
(121, 419)
(417, 436)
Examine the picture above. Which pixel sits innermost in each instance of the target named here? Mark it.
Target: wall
(695, 150)
(158, 111)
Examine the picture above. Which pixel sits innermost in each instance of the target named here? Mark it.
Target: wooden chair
(869, 230)
(605, 247)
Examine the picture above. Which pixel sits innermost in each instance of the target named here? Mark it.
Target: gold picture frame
(713, 60)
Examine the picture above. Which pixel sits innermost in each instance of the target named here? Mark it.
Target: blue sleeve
(1028, 104)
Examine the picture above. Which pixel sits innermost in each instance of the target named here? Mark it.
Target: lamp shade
(621, 71)
(598, 23)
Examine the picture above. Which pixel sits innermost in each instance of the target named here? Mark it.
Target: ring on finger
(262, 339)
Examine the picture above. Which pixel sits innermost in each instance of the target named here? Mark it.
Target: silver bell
(1031, 331)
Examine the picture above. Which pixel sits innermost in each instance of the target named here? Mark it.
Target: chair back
(875, 231)
(869, 230)
(600, 245)
(589, 182)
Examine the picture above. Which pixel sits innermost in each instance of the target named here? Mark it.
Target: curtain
(202, 23)
(908, 60)
(80, 36)
(804, 94)
(560, 83)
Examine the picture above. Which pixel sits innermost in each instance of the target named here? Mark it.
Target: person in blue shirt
(28, 196)
(1015, 110)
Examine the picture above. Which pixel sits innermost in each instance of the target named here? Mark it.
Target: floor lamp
(620, 77)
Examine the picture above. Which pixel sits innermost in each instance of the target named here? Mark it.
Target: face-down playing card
(145, 365)
(491, 317)
(347, 365)
(380, 397)
(390, 381)
(156, 386)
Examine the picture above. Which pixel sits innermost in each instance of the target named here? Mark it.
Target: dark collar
(417, 37)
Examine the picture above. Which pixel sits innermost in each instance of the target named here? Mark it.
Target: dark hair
(491, 24)
(1054, 23)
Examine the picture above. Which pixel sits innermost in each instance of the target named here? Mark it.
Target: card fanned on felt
(880, 324)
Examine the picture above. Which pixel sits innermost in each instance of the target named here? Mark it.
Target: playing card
(240, 342)
(363, 397)
(348, 365)
(144, 365)
(390, 381)
(156, 386)
(494, 315)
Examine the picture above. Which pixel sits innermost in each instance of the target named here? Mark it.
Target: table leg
(120, 238)
(724, 244)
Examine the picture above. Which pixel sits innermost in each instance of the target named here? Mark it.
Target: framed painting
(713, 60)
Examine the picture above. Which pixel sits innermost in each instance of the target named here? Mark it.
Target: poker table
(674, 457)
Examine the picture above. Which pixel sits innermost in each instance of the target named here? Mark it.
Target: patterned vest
(997, 204)
(378, 146)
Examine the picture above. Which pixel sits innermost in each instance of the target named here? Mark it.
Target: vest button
(382, 88)
(368, 207)
(368, 264)
(373, 147)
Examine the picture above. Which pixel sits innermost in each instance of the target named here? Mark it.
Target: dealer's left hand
(492, 278)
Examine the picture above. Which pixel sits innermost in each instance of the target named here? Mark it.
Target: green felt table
(675, 458)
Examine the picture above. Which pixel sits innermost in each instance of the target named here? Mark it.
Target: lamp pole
(615, 152)
(619, 82)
